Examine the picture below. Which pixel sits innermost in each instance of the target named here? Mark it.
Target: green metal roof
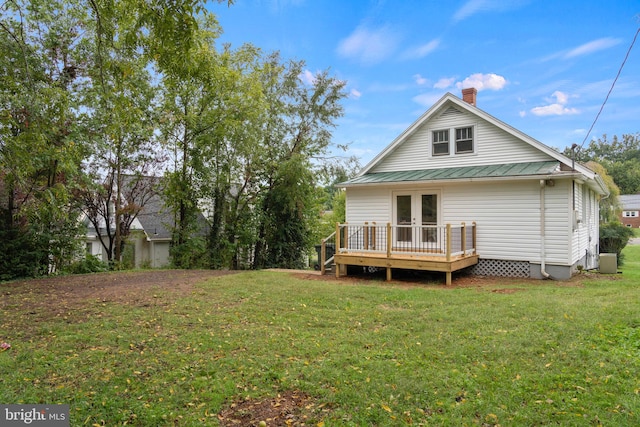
(465, 172)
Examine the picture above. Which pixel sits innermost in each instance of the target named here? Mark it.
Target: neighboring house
(535, 211)
(630, 215)
(150, 234)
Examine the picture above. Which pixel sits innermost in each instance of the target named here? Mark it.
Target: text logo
(34, 415)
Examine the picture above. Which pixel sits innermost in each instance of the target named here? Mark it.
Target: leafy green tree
(122, 116)
(133, 37)
(610, 207)
(42, 54)
(620, 157)
(296, 132)
(207, 113)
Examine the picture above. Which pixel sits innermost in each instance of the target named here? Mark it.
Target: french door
(411, 211)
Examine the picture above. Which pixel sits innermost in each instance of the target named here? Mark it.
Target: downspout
(542, 232)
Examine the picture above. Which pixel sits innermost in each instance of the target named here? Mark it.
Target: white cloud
(592, 46)
(308, 77)
(420, 80)
(553, 110)
(369, 46)
(557, 108)
(422, 50)
(561, 97)
(471, 7)
(522, 113)
(355, 93)
(444, 83)
(483, 82)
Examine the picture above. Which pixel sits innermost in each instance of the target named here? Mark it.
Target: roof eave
(561, 175)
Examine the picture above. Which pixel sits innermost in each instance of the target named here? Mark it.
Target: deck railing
(439, 241)
(327, 251)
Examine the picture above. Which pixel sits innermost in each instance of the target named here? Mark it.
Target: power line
(611, 89)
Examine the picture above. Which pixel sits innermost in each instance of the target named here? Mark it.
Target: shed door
(412, 210)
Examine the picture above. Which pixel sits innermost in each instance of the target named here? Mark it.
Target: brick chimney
(469, 95)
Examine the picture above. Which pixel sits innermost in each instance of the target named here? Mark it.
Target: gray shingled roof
(157, 220)
(630, 201)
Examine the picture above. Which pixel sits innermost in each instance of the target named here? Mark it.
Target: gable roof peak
(449, 99)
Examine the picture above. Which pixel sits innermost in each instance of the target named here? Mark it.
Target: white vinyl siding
(558, 222)
(585, 231)
(491, 146)
(507, 215)
(368, 205)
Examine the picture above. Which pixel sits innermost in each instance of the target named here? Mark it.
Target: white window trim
(433, 153)
(452, 141)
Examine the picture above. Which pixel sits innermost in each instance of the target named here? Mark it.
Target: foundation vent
(501, 268)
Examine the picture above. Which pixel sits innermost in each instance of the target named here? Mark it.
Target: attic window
(464, 140)
(440, 142)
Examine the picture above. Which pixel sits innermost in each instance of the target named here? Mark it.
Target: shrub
(190, 254)
(614, 236)
(89, 264)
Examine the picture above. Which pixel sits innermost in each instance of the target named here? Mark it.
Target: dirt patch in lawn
(426, 279)
(290, 408)
(54, 296)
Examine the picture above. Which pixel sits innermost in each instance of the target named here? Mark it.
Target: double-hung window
(464, 140)
(441, 142)
(452, 141)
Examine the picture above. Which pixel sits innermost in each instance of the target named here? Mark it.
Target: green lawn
(368, 353)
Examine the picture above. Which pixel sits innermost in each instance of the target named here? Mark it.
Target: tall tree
(620, 157)
(42, 56)
(123, 111)
(209, 107)
(296, 133)
(610, 207)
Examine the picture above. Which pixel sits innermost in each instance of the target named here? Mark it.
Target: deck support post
(448, 242)
(337, 248)
(365, 237)
(323, 256)
(463, 238)
(448, 280)
(388, 240)
(388, 250)
(373, 236)
(473, 237)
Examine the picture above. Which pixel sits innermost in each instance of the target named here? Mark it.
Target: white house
(535, 210)
(150, 232)
(630, 215)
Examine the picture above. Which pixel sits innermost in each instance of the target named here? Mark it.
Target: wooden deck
(452, 251)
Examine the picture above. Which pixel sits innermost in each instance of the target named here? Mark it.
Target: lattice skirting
(502, 268)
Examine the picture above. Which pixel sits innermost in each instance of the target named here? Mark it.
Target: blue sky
(542, 66)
